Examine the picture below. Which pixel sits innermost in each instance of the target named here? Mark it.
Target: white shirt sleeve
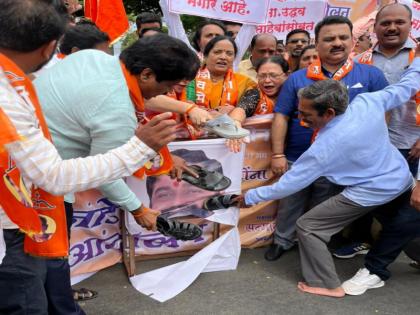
(40, 164)
(242, 40)
(174, 23)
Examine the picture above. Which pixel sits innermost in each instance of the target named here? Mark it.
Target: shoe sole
(376, 286)
(362, 252)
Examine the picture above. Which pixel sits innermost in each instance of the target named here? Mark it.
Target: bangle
(144, 211)
(189, 109)
(278, 156)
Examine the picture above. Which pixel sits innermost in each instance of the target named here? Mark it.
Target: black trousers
(400, 225)
(22, 279)
(413, 249)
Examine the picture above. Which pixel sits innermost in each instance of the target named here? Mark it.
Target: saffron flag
(109, 16)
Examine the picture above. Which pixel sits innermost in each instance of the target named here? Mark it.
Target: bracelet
(192, 106)
(278, 156)
(144, 211)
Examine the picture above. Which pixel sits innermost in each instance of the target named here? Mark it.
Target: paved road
(256, 287)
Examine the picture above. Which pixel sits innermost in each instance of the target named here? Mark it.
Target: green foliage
(129, 39)
(190, 22)
(137, 6)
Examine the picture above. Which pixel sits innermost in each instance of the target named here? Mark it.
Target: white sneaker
(362, 281)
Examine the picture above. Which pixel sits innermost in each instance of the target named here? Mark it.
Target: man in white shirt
(33, 28)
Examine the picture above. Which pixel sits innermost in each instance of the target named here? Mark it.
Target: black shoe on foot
(274, 252)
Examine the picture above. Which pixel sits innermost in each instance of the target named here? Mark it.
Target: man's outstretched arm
(304, 172)
(398, 94)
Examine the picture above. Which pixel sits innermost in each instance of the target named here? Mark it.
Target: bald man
(262, 46)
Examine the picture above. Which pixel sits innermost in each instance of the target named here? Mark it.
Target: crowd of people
(345, 136)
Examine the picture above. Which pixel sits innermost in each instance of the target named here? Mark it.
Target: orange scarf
(39, 214)
(204, 86)
(162, 163)
(8, 131)
(367, 58)
(265, 105)
(315, 73)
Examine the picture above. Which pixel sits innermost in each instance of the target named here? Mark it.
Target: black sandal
(220, 202)
(84, 294)
(207, 180)
(183, 231)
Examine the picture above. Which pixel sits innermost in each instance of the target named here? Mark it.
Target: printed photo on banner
(180, 199)
(242, 11)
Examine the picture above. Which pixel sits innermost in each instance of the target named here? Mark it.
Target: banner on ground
(242, 11)
(285, 16)
(96, 235)
(179, 199)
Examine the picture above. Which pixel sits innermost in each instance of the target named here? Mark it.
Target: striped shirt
(41, 165)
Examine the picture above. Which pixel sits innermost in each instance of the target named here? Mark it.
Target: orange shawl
(39, 214)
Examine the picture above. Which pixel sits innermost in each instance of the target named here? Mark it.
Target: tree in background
(138, 6)
(134, 7)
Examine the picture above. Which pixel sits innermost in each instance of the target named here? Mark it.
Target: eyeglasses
(295, 41)
(271, 76)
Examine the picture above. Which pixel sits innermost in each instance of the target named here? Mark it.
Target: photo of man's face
(48, 229)
(169, 193)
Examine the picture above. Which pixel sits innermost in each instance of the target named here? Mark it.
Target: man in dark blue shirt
(334, 41)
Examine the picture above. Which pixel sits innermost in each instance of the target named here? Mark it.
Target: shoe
(224, 126)
(207, 180)
(274, 252)
(415, 264)
(362, 281)
(352, 250)
(84, 294)
(183, 231)
(220, 202)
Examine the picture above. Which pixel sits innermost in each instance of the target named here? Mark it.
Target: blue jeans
(400, 225)
(294, 206)
(22, 279)
(57, 284)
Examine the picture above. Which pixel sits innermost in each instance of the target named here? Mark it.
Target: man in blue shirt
(333, 36)
(392, 54)
(349, 136)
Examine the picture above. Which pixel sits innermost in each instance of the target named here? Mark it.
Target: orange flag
(109, 16)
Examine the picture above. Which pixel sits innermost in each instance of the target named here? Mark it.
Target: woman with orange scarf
(217, 87)
(271, 74)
